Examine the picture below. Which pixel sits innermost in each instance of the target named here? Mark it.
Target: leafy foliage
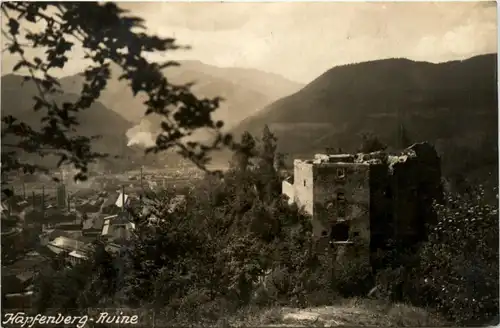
(456, 270)
(209, 256)
(107, 35)
(65, 288)
(269, 145)
(245, 151)
(236, 242)
(465, 245)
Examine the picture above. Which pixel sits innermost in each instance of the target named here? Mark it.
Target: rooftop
(117, 227)
(337, 158)
(78, 254)
(56, 233)
(116, 199)
(377, 157)
(68, 244)
(28, 263)
(93, 223)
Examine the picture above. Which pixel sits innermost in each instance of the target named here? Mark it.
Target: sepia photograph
(249, 164)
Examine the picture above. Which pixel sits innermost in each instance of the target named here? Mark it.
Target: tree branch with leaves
(107, 34)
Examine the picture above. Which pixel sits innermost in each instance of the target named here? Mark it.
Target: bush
(353, 278)
(209, 256)
(460, 261)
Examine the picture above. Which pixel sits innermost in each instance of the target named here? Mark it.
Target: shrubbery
(460, 261)
(202, 258)
(456, 270)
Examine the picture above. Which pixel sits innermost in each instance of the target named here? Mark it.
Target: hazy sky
(302, 40)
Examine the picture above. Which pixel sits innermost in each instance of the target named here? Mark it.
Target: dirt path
(352, 313)
(329, 316)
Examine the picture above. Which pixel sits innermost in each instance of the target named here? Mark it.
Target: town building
(91, 205)
(17, 280)
(363, 201)
(64, 244)
(93, 224)
(12, 242)
(117, 228)
(115, 203)
(49, 235)
(61, 196)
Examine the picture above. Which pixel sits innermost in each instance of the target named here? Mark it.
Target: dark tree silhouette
(245, 150)
(107, 35)
(280, 161)
(269, 145)
(371, 143)
(334, 150)
(404, 139)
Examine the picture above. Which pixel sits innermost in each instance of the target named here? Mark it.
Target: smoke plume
(143, 134)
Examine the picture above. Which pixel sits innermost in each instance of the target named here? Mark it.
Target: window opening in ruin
(341, 205)
(341, 211)
(340, 232)
(304, 183)
(340, 173)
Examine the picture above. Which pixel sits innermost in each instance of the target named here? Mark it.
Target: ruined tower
(367, 200)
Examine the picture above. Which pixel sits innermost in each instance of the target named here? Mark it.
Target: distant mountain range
(245, 92)
(17, 100)
(453, 102)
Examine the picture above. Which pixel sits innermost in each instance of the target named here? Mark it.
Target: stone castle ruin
(367, 200)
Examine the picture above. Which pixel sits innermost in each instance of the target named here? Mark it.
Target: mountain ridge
(414, 88)
(17, 100)
(239, 88)
(453, 105)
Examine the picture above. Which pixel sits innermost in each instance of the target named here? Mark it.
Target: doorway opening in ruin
(340, 232)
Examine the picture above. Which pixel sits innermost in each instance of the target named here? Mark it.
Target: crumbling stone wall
(353, 215)
(288, 190)
(354, 186)
(387, 197)
(430, 187)
(303, 185)
(381, 214)
(403, 189)
(403, 184)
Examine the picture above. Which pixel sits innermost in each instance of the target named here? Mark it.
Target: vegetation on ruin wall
(204, 261)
